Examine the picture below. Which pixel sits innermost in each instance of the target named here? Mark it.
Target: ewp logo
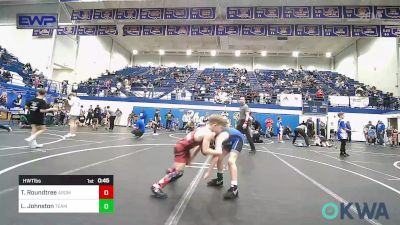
(331, 211)
(29, 21)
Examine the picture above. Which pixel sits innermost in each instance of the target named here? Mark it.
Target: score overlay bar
(66, 194)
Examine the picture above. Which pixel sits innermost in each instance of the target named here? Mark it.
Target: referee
(245, 123)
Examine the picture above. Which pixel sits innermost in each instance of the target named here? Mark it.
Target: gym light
(135, 52)
(213, 53)
(161, 51)
(237, 53)
(295, 54)
(328, 54)
(263, 53)
(188, 52)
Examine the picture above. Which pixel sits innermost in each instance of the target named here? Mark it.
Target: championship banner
(227, 29)
(390, 30)
(66, 30)
(280, 30)
(296, 12)
(337, 30)
(365, 31)
(359, 102)
(176, 14)
(104, 30)
(127, 14)
(293, 100)
(328, 12)
(357, 12)
(202, 13)
(82, 14)
(152, 14)
(132, 30)
(308, 30)
(268, 12)
(87, 30)
(254, 30)
(178, 30)
(239, 13)
(387, 12)
(103, 14)
(42, 33)
(202, 30)
(153, 30)
(343, 101)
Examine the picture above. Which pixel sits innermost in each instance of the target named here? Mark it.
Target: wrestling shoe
(158, 193)
(215, 183)
(232, 193)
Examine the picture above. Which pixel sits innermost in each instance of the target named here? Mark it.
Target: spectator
(348, 130)
(380, 131)
(168, 120)
(118, 113)
(111, 115)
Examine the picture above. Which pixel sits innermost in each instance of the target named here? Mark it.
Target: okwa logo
(376, 210)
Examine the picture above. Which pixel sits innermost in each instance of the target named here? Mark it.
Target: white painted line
(363, 167)
(73, 152)
(176, 214)
(103, 161)
(204, 164)
(336, 167)
(393, 179)
(323, 188)
(173, 136)
(57, 148)
(48, 143)
(396, 164)
(82, 168)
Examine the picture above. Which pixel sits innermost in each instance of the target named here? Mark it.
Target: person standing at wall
(342, 135)
(322, 128)
(185, 119)
(380, 130)
(156, 121)
(279, 130)
(168, 120)
(244, 122)
(89, 116)
(118, 113)
(74, 112)
(96, 117)
(348, 126)
(310, 127)
(111, 116)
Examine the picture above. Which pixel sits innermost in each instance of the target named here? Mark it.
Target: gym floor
(280, 184)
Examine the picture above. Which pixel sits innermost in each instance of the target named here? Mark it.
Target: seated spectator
(319, 94)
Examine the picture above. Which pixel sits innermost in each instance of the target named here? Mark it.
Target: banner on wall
(224, 30)
(337, 30)
(152, 14)
(359, 102)
(127, 14)
(390, 30)
(268, 12)
(387, 12)
(202, 30)
(308, 30)
(293, 100)
(296, 12)
(153, 30)
(176, 13)
(342, 101)
(103, 14)
(132, 30)
(202, 13)
(327, 12)
(357, 12)
(239, 13)
(365, 31)
(82, 14)
(42, 33)
(87, 30)
(280, 30)
(254, 30)
(178, 30)
(104, 30)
